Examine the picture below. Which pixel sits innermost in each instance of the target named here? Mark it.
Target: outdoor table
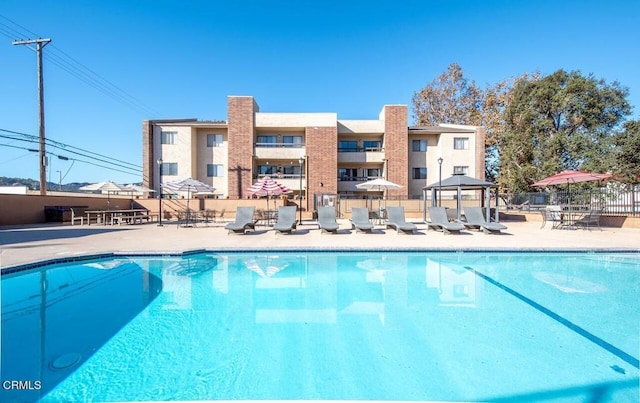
(110, 216)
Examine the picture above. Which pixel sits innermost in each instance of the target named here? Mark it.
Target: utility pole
(40, 43)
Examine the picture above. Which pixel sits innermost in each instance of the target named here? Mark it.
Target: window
(347, 174)
(461, 143)
(169, 168)
(347, 146)
(292, 141)
(372, 145)
(420, 145)
(214, 170)
(419, 173)
(266, 170)
(267, 141)
(214, 140)
(168, 137)
(373, 173)
(460, 170)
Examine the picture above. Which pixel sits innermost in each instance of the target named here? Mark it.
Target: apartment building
(311, 153)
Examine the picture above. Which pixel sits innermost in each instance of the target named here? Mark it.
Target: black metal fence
(613, 201)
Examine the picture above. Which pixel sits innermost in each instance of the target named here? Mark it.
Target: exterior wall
(428, 159)
(322, 162)
(182, 152)
(396, 145)
(148, 163)
(241, 128)
(212, 155)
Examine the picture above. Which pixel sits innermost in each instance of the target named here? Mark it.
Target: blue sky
(112, 64)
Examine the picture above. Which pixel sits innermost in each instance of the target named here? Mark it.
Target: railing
(279, 176)
(612, 201)
(359, 149)
(357, 178)
(279, 145)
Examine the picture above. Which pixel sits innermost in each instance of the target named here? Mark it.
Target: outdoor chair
(474, 219)
(327, 219)
(552, 214)
(396, 220)
(286, 220)
(438, 220)
(244, 220)
(77, 216)
(592, 219)
(360, 219)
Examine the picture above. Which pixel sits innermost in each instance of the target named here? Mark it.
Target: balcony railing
(279, 145)
(357, 178)
(359, 149)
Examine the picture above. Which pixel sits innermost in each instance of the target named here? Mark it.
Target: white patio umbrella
(189, 185)
(104, 186)
(131, 188)
(379, 184)
(267, 187)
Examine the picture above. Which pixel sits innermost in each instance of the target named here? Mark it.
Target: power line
(80, 71)
(66, 147)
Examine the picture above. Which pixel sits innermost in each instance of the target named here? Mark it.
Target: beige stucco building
(312, 153)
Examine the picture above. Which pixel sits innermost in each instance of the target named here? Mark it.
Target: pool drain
(65, 361)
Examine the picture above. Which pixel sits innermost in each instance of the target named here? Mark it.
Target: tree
(450, 98)
(627, 150)
(561, 121)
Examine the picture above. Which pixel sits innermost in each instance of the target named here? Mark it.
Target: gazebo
(460, 183)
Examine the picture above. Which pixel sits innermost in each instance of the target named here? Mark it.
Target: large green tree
(561, 121)
(626, 145)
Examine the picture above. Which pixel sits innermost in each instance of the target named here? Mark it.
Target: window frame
(215, 137)
(465, 143)
(168, 137)
(419, 171)
(420, 143)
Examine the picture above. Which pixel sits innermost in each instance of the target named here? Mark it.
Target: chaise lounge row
(360, 221)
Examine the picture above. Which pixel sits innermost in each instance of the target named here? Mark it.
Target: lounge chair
(475, 220)
(327, 219)
(360, 219)
(244, 220)
(592, 219)
(438, 220)
(286, 219)
(396, 220)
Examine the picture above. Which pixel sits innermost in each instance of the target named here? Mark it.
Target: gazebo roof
(460, 181)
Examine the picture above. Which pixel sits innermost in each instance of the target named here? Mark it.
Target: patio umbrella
(267, 187)
(188, 185)
(379, 184)
(104, 186)
(138, 188)
(567, 177)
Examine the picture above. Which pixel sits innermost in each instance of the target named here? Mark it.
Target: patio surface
(26, 244)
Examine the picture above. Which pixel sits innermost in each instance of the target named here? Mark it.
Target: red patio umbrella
(568, 177)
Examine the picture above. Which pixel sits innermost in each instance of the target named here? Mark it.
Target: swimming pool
(325, 325)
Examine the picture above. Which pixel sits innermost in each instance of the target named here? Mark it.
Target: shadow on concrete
(11, 235)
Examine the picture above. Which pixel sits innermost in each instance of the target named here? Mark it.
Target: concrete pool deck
(27, 244)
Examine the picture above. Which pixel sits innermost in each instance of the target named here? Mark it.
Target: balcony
(290, 181)
(281, 151)
(361, 154)
(348, 183)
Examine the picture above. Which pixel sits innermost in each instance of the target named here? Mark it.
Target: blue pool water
(438, 326)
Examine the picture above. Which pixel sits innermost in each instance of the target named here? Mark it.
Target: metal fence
(613, 201)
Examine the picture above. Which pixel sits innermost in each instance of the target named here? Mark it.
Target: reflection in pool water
(346, 326)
